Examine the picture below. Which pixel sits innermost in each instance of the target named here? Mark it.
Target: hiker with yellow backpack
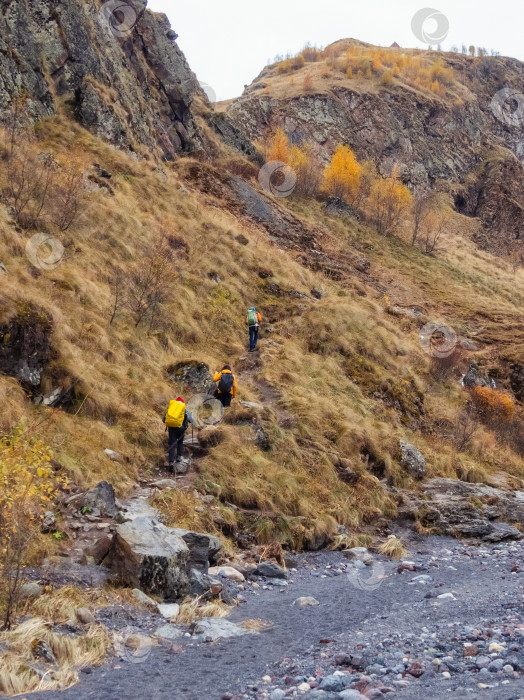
(177, 420)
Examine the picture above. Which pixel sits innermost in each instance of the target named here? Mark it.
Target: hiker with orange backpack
(253, 321)
(177, 420)
(227, 386)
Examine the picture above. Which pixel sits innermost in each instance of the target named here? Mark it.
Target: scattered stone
(350, 694)
(413, 460)
(168, 610)
(143, 598)
(48, 523)
(277, 694)
(203, 548)
(164, 484)
(99, 550)
(114, 456)
(228, 572)
(212, 629)
(305, 601)
(318, 293)
(100, 498)
(169, 632)
(42, 650)
(358, 554)
(85, 616)
(270, 570)
(30, 590)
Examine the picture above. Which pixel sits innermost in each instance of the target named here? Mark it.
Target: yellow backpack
(175, 414)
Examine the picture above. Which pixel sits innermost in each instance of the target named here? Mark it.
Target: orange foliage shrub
(389, 201)
(492, 405)
(310, 54)
(307, 83)
(278, 147)
(342, 176)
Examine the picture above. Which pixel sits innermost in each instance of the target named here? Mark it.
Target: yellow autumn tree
(389, 202)
(278, 147)
(342, 176)
(307, 168)
(28, 485)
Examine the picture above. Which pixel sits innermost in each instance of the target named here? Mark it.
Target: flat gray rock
(218, 628)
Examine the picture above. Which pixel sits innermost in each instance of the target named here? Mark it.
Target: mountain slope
(341, 376)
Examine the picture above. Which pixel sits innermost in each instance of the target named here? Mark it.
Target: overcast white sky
(228, 43)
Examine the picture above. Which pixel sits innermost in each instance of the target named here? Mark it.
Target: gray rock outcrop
(413, 460)
(148, 555)
(461, 509)
(116, 64)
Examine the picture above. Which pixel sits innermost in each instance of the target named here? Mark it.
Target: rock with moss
(413, 460)
(150, 556)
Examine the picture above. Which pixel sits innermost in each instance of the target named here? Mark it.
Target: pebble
(277, 694)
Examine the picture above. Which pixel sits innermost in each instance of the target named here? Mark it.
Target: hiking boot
(171, 468)
(178, 460)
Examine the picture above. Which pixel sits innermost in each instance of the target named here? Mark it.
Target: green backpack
(252, 319)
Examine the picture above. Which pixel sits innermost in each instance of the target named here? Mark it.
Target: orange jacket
(259, 317)
(218, 377)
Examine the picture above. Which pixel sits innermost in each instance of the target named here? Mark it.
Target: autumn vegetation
(386, 202)
(419, 69)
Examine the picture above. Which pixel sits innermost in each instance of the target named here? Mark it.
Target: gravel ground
(375, 631)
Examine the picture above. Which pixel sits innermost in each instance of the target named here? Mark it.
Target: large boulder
(203, 548)
(193, 375)
(413, 460)
(25, 346)
(148, 555)
(100, 499)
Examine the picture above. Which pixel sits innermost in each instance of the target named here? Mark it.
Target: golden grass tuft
(72, 653)
(394, 548)
(192, 610)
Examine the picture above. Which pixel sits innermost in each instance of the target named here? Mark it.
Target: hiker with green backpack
(253, 321)
(227, 386)
(177, 420)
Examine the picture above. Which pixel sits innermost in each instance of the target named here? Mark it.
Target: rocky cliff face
(428, 136)
(115, 63)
